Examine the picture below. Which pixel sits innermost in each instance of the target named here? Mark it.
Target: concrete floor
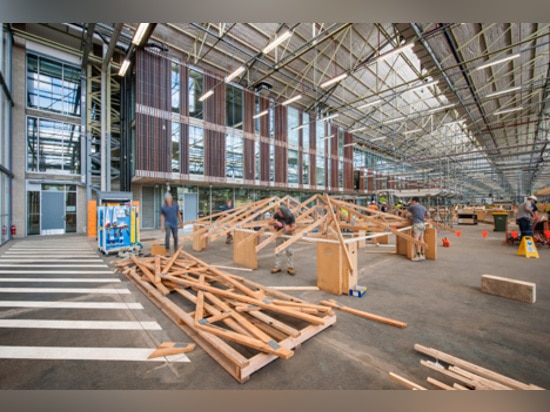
(440, 301)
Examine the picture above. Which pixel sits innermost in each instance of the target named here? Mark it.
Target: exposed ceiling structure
(464, 105)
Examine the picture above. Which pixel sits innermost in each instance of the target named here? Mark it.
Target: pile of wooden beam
(466, 375)
(241, 324)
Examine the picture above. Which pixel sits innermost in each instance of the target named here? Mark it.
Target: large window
(305, 149)
(196, 88)
(176, 145)
(234, 156)
(196, 150)
(320, 158)
(53, 146)
(176, 87)
(234, 106)
(293, 144)
(53, 86)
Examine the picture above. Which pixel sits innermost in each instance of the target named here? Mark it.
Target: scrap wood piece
(332, 303)
(248, 299)
(409, 238)
(441, 226)
(409, 384)
(171, 348)
(452, 360)
(483, 381)
(464, 380)
(441, 385)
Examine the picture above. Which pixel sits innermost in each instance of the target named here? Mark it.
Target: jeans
(525, 228)
(169, 229)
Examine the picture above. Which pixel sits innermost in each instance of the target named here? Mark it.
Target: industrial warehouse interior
(347, 126)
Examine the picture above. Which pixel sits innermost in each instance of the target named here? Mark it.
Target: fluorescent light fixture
(206, 95)
(298, 127)
(276, 42)
(397, 119)
(358, 129)
(378, 138)
(140, 32)
(292, 99)
(394, 52)
(256, 116)
(364, 106)
(235, 73)
(513, 89)
(437, 109)
(332, 116)
(333, 80)
(411, 131)
(327, 137)
(349, 144)
(504, 59)
(124, 67)
(515, 109)
(421, 86)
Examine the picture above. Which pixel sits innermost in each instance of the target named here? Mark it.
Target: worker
(170, 221)
(225, 208)
(526, 216)
(284, 220)
(417, 212)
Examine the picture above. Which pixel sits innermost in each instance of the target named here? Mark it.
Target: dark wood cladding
(153, 85)
(281, 144)
(154, 119)
(248, 127)
(214, 138)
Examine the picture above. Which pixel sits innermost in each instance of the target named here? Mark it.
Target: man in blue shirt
(170, 220)
(417, 214)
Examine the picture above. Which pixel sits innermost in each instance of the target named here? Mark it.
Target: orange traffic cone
(458, 233)
(484, 234)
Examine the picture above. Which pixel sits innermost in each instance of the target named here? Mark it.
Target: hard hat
(532, 197)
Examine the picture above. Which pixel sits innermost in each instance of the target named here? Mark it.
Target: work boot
(291, 271)
(275, 270)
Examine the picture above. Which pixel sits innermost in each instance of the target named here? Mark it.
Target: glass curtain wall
(5, 134)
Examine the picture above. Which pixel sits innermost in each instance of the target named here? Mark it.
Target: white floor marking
(56, 272)
(47, 260)
(108, 291)
(71, 353)
(68, 305)
(78, 324)
(55, 265)
(64, 280)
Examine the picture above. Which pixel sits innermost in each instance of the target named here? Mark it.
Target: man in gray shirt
(417, 214)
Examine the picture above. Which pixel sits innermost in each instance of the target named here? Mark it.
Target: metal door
(190, 206)
(53, 213)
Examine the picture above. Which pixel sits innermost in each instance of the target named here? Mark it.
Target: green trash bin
(500, 221)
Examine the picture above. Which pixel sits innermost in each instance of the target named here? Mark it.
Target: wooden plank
(244, 249)
(333, 304)
(407, 383)
(329, 268)
(453, 360)
(440, 384)
(430, 237)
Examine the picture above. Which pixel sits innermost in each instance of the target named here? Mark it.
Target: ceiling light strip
(276, 42)
(292, 100)
(504, 59)
(206, 95)
(336, 79)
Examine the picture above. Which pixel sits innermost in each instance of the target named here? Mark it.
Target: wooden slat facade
(154, 118)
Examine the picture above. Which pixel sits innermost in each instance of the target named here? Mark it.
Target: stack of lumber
(239, 323)
(464, 375)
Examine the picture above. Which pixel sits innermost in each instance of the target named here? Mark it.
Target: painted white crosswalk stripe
(108, 291)
(77, 324)
(64, 280)
(57, 272)
(46, 260)
(68, 305)
(97, 354)
(55, 265)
